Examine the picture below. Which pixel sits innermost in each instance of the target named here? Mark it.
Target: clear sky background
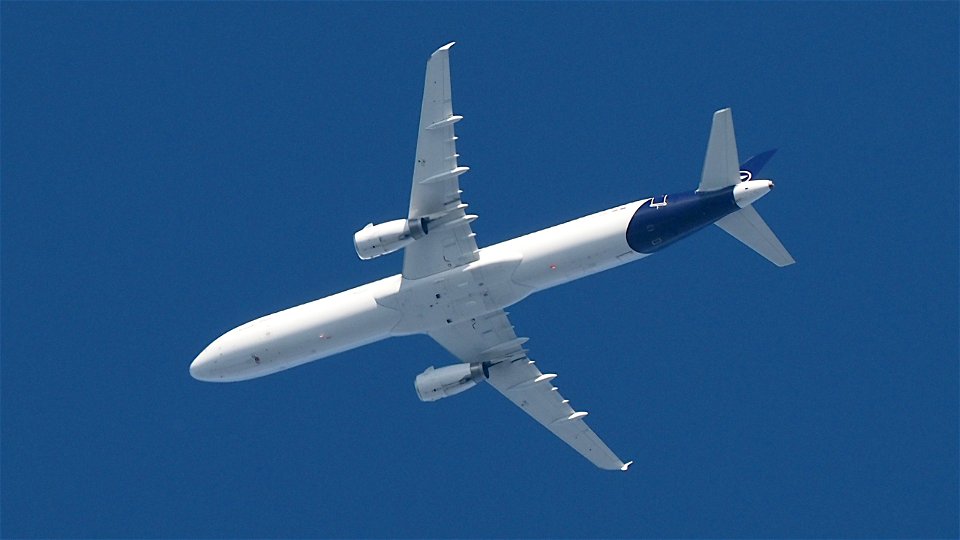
(172, 170)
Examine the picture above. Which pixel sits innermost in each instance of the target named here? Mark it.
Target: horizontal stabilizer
(747, 226)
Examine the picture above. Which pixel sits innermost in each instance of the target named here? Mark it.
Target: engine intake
(434, 384)
(376, 240)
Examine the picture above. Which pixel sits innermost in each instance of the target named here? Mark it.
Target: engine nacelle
(376, 240)
(434, 384)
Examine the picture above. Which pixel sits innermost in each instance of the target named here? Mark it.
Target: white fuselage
(504, 274)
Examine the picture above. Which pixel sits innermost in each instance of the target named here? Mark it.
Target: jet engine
(376, 240)
(434, 384)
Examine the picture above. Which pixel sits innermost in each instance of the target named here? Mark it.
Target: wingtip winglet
(626, 465)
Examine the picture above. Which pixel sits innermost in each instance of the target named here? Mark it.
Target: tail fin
(751, 167)
(721, 169)
(747, 226)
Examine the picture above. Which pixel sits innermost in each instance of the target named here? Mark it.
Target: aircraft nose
(201, 368)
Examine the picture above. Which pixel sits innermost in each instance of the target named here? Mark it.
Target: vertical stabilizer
(747, 226)
(721, 167)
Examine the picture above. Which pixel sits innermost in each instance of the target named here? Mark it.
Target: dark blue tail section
(655, 226)
(753, 165)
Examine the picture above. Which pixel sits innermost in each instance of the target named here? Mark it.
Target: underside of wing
(435, 194)
(490, 339)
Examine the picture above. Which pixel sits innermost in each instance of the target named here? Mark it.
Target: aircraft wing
(491, 338)
(435, 195)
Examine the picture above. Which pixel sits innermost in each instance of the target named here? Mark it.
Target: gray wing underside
(491, 338)
(435, 194)
(449, 243)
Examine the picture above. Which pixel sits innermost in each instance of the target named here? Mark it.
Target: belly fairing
(456, 294)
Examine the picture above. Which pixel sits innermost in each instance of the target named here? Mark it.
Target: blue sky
(172, 170)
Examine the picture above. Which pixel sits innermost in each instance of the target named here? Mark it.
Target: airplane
(456, 293)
